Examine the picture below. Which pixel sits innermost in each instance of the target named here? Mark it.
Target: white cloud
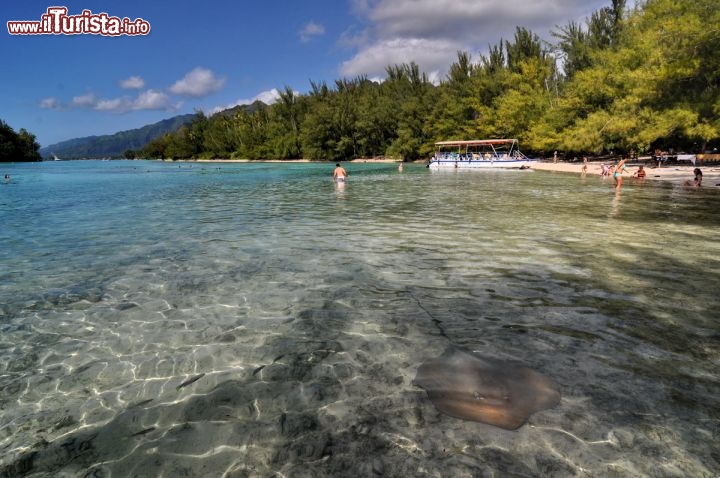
(84, 101)
(430, 32)
(132, 83)
(116, 105)
(198, 82)
(430, 55)
(147, 100)
(268, 97)
(49, 103)
(310, 31)
(152, 100)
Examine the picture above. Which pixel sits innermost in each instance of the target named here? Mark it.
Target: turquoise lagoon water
(256, 320)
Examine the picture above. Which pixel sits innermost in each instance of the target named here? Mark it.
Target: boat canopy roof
(477, 142)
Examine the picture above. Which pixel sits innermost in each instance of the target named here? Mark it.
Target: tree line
(627, 79)
(20, 146)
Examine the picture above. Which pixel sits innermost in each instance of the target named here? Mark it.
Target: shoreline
(356, 160)
(675, 174)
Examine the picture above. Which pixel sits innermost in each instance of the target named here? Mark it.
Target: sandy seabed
(216, 323)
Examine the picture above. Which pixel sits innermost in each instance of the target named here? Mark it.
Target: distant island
(114, 145)
(131, 143)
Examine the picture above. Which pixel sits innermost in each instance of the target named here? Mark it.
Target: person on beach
(697, 182)
(658, 157)
(339, 174)
(640, 173)
(604, 170)
(617, 174)
(583, 171)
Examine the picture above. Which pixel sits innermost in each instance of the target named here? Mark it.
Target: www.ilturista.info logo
(57, 22)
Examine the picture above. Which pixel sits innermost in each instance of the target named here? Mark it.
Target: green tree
(130, 154)
(219, 137)
(573, 48)
(375, 124)
(653, 84)
(20, 146)
(287, 114)
(411, 93)
(625, 79)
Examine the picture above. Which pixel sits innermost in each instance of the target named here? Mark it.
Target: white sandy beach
(676, 174)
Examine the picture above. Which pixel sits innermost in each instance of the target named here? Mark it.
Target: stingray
(467, 386)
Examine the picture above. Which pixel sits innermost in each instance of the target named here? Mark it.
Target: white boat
(55, 158)
(479, 154)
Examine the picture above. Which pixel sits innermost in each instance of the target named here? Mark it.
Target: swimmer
(339, 174)
(640, 173)
(697, 182)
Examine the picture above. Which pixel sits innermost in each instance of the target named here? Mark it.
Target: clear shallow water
(255, 320)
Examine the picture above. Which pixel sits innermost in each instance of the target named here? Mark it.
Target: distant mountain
(114, 145)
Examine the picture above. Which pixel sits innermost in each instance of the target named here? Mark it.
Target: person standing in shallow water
(617, 175)
(339, 174)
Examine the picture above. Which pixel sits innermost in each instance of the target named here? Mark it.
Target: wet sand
(676, 174)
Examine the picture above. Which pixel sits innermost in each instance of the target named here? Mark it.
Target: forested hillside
(626, 79)
(124, 143)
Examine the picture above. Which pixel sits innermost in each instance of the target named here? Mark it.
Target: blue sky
(214, 54)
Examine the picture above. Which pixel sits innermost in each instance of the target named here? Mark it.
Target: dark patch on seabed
(303, 412)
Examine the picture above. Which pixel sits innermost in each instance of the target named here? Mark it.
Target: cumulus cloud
(310, 31)
(147, 100)
(429, 54)
(268, 97)
(430, 32)
(198, 82)
(87, 100)
(116, 105)
(49, 103)
(152, 100)
(132, 83)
